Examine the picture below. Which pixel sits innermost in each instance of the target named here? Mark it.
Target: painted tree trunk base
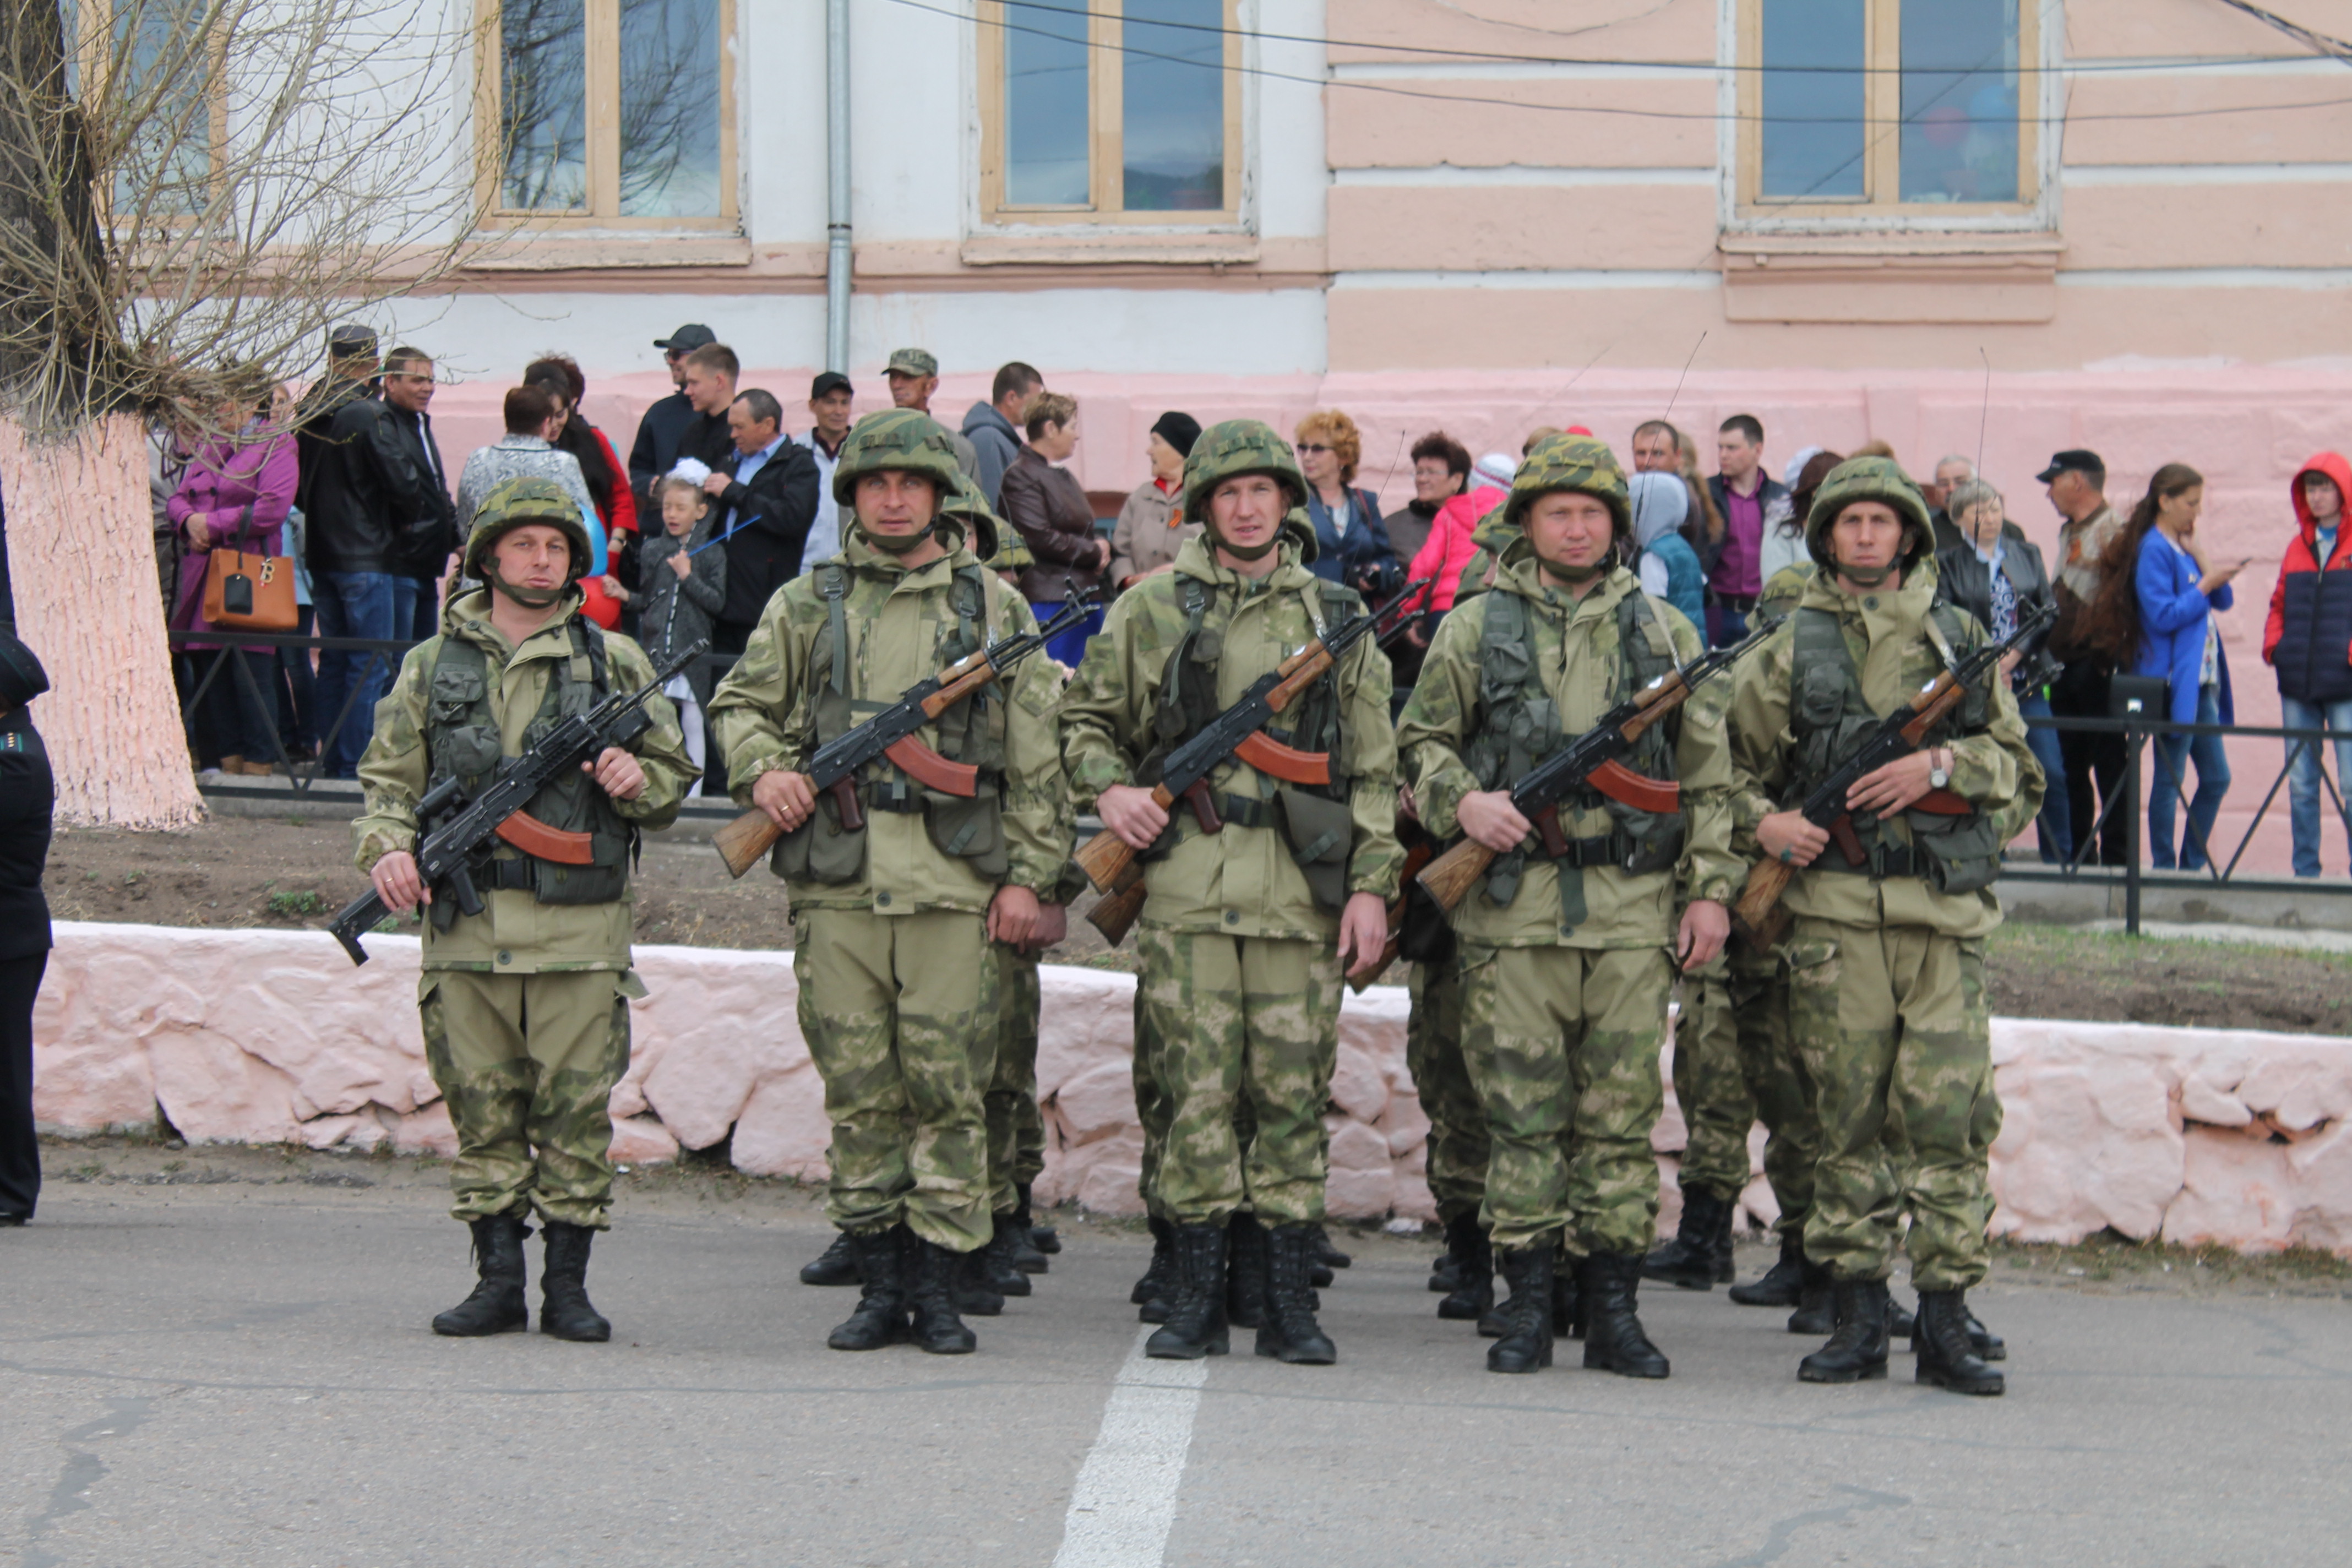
(81, 554)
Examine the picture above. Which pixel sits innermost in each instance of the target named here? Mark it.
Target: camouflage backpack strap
(833, 583)
(1518, 722)
(1182, 688)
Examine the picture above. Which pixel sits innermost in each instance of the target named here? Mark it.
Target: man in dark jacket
(369, 498)
(351, 371)
(421, 559)
(666, 423)
(2308, 640)
(1751, 501)
(27, 800)
(993, 427)
(766, 498)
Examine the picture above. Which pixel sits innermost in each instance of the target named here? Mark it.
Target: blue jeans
(2212, 784)
(2304, 790)
(353, 604)
(2057, 819)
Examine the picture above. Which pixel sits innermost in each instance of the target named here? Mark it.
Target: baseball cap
(687, 338)
(827, 381)
(912, 362)
(2074, 459)
(351, 339)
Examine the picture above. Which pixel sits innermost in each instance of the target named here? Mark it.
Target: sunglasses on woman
(1306, 446)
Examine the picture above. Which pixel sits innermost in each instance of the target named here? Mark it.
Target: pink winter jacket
(1448, 548)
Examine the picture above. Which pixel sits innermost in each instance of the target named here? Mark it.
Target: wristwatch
(1938, 774)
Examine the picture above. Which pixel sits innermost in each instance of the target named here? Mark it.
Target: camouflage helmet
(1880, 480)
(905, 439)
(985, 532)
(514, 502)
(1580, 464)
(1227, 451)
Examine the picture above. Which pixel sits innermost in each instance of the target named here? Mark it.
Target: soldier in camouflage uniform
(1241, 976)
(893, 920)
(1566, 960)
(1886, 958)
(526, 1004)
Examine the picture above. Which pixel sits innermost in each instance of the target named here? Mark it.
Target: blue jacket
(1685, 583)
(2172, 620)
(1367, 545)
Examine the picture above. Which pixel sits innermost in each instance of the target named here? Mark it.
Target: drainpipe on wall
(837, 146)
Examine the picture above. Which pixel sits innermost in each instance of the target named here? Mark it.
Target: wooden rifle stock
(1114, 913)
(742, 842)
(1420, 855)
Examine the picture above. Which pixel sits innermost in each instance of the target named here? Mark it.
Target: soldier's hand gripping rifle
(1108, 860)
(1590, 761)
(447, 855)
(895, 733)
(1758, 914)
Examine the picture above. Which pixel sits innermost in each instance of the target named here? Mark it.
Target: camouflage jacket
(515, 934)
(1243, 880)
(1495, 534)
(1577, 651)
(898, 623)
(1887, 634)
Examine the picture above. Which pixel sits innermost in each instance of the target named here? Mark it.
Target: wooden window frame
(1882, 107)
(93, 54)
(602, 62)
(1106, 98)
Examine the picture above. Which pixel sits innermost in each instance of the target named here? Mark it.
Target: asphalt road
(233, 1374)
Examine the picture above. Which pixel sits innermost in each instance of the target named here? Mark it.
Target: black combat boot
(1567, 1306)
(1474, 1267)
(974, 1295)
(1291, 1333)
(1525, 1342)
(1244, 1271)
(1856, 1349)
(563, 1308)
(1454, 1266)
(1726, 1271)
(1328, 1256)
(1608, 1285)
(1158, 1286)
(935, 1315)
(1989, 1346)
(1041, 1237)
(496, 1305)
(881, 1316)
(1024, 1253)
(837, 1264)
(1495, 1321)
(1196, 1308)
(1816, 1310)
(1947, 1359)
(1900, 1322)
(1781, 1285)
(1687, 1261)
(997, 1266)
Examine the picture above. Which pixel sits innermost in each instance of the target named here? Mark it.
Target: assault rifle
(1758, 914)
(1591, 760)
(1108, 860)
(893, 733)
(446, 857)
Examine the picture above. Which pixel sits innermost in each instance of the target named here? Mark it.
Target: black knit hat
(22, 679)
(1179, 430)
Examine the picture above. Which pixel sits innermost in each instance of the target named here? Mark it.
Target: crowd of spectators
(719, 504)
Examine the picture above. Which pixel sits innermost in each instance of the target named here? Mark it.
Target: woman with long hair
(2154, 618)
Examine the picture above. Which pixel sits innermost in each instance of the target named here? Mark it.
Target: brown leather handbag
(248, 591)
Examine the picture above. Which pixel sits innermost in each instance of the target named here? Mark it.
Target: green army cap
(1880, 480)
(514, 502)
(911, 361)
(1580, 464)
(907, 439)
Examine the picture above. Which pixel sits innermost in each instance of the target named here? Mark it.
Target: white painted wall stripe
(1627, 279)
(2081, 175)
(1124, 1502)
(1520, 174)
(2209, 278)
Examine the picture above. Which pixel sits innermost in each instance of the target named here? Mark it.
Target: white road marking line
(1125, 1497)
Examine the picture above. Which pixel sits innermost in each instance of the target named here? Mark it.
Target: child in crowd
(680, 587)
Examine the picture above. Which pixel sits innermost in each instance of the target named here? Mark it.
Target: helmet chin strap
(896, 543)
(529, 598)
(1866, 576)
(1255, 552)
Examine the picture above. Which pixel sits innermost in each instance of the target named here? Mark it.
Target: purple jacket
(221, 482)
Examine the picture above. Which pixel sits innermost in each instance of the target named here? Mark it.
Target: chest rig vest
(972, 731)
(1521, 727)
(462, 739)
(1315, 820)
(1830, 718)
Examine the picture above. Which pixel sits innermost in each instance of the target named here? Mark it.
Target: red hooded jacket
(2308, 638)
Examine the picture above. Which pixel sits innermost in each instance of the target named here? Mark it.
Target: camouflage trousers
(526, 1063)
(1891, 1024)
(1017, 1131)
(900, 1015)
(1562, 1043)
(1457, 1120)
(1154, 1110)
(1710, 1087)
(1779, 1083)
(1239, 1022)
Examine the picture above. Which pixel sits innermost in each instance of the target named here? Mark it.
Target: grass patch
(291, 905)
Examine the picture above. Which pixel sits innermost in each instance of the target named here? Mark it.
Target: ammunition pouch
(1321, 833)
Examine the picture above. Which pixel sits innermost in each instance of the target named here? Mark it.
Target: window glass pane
(1046, 114)
(544, 97)
(164, 87)
(1174, 93)
(1959, 100)
(1814, 138)
(670, 108)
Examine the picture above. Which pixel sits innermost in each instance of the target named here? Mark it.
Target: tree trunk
(84, 570)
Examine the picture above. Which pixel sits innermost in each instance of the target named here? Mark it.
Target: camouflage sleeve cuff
(1442, 782)
(378, 834)
(1091, 772)
(1979, 763)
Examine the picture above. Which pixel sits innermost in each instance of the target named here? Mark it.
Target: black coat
(373, 503)
(433, 539)
(657, 449)
(1963, 579)
(705, 437)
(27, 800)
(769, 522)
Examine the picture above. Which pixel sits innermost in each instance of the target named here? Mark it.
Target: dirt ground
(290, 873)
